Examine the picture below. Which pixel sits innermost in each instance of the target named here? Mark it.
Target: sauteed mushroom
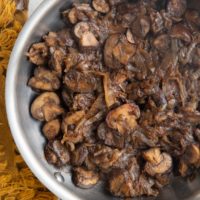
(162, 42)
(119, 90)
(88, 40)
(44, 79)
(110, 137)
(46, 107)
(181, 32)
(56, 153)
(101, 6)
(157, 162)
(85, 178)
(80, 81)
(51, 129)
(176, 7)
(79, 155)
(117, 51)
(81, 28)
(123, 118)
(38, 53)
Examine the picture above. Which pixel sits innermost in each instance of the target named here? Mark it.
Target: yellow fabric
(16, 180)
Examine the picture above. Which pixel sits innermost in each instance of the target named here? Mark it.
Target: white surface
(33, 4)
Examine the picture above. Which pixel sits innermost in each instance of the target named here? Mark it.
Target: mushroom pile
(118, 94)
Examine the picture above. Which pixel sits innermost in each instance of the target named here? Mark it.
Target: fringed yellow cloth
(16, 180)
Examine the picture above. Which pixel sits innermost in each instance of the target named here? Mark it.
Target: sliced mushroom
(88, 40)
(101, 6)
(117, 51)
(162, 42)
(51, 111)
(157, 162)
(176, 8)
(123, 51)
(81, 28)
(111, 42)
(51, 39)
(123, 118)
(120, 76)
(168, 22)
(85, 12)
(44, 79)
(38, 53)
(57, 61)
(61, 151)
(46, 107)
(61, 38)
(65, 38)
(153, 155)
(157, 23)
(192, 154)
(72, 15)
(69, 127)
(193, 18)
(179, 31)
(72, 119)
(141, 26)
(80, 82)
(104, 157)
(85, 178)
(110, 137)
(80, 12)
(89, 164)
(79, 155)
(72, 136)
(87, 34)
(51, 129)
(56, 153)
(120, 184)
(72, 59)
(50, 156)
(83, 101)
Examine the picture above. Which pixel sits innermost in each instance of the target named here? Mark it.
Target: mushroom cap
(46, 98)
(118, 51)
(181, 32)
(44, 79)
(123, 118)
(51, 129)
(72, 16)
(88, 40)
(176, 8)
(153, 155)
(85, 178)
(80, 82)
(81, 28)
(101, 6)
(192, 154)
(163, 167)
